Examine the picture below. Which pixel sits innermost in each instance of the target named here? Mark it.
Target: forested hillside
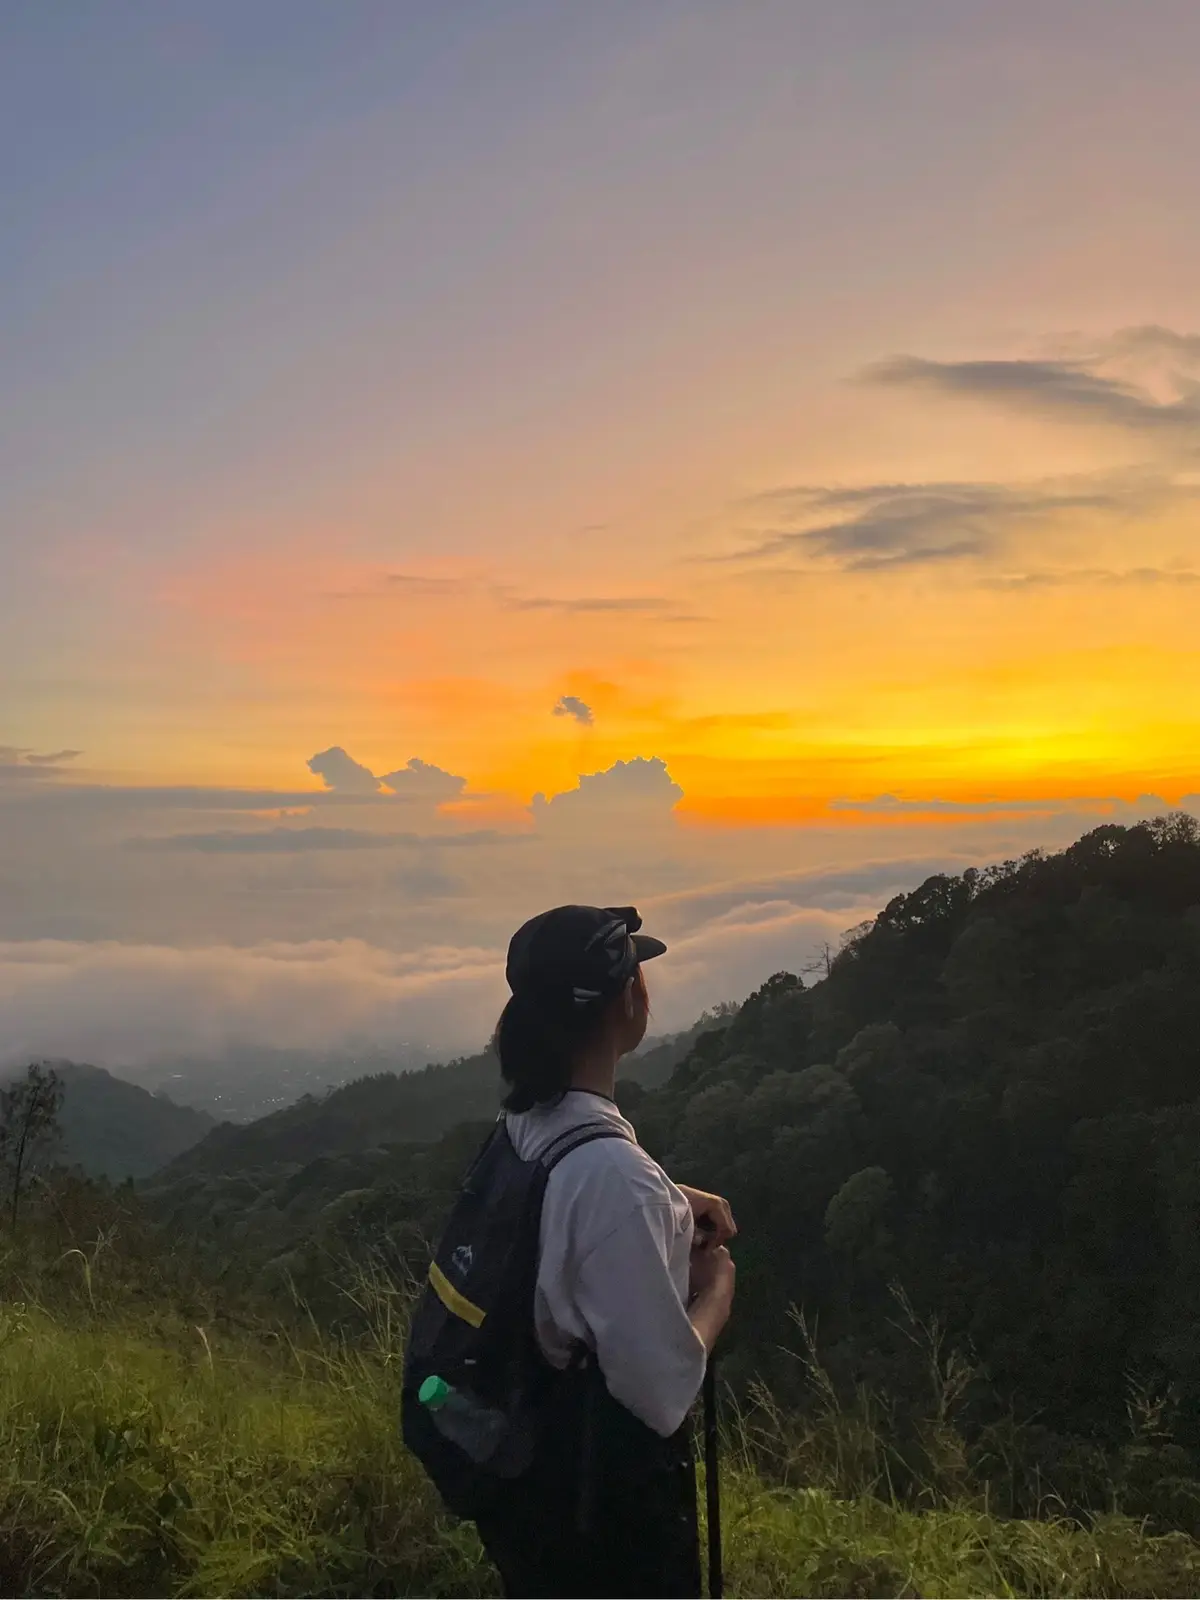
(387, 1108)
(987, 1113)
(113, 1129)
(993, 1101)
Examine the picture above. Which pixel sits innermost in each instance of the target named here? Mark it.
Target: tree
(855, 1217)
(29, 1127)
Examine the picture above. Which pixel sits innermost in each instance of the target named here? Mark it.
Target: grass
(146, 1453)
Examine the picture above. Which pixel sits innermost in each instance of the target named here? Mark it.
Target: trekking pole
(712, 1481)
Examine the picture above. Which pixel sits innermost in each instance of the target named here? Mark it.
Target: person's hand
(713, 1273)
(712, 1216)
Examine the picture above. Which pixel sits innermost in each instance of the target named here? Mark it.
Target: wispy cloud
(1095, 386)
(660, 607)
(1133, 577)
(890, 805)
(867, 527)
(572, 706)
(273, 841)
(20, 761)
(582, 605)
(423, 583)
(296, 841)
(508, 598)
(53, 759)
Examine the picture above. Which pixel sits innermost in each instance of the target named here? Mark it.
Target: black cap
(578, 955)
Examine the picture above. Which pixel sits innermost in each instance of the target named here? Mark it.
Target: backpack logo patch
(462, 1260)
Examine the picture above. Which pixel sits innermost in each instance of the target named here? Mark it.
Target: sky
(735, 459)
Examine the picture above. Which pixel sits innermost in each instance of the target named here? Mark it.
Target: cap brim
(646, 948)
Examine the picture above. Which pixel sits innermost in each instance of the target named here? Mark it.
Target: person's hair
(538, 1049)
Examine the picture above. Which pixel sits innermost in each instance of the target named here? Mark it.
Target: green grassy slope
(145, 1451)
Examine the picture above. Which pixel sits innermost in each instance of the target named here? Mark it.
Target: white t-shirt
(616, 1242)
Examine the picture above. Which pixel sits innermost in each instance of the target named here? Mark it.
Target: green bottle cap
(434, 1392)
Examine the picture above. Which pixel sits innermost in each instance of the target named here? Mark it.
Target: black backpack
(473, 1324)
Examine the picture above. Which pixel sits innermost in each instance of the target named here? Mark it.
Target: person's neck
(596, 1072)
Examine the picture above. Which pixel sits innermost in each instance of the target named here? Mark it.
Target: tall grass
(151, 1450)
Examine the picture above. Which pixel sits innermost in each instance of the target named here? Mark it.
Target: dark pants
(608, 1509)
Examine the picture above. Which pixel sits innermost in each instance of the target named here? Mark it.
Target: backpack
(473, 1326)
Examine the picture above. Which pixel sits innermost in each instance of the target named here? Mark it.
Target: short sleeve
(652, 1358)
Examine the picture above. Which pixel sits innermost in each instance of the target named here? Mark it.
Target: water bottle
(478, 1430)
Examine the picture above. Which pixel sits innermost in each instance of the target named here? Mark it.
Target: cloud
(128, 1004)
(844, 889)
(419, 780)
(571, 706)
(1133, 577)
(424, 881)
(665, 609)
(871, 526)
(733, 954)
(294, 841)
(893, 805)
(274, 841)
(1074, 390)
(20, 762)
(98, 798)
(420, 583)
(642, 785)
(342, 773)
(508, 599)
(1152, 339)
(145, 963)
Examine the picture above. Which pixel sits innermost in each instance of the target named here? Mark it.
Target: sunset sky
(767, 433)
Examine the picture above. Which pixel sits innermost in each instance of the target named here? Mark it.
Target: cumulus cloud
(420, 780)
(341, 772)
(642, 785)
(571, 706)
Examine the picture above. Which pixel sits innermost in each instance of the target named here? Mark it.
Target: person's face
(633, 1013)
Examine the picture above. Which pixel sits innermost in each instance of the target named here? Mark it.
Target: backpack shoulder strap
(574, 1138)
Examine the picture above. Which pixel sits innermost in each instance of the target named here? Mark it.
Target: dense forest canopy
(992, 1100)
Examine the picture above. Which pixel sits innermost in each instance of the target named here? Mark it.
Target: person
(633, 1270)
